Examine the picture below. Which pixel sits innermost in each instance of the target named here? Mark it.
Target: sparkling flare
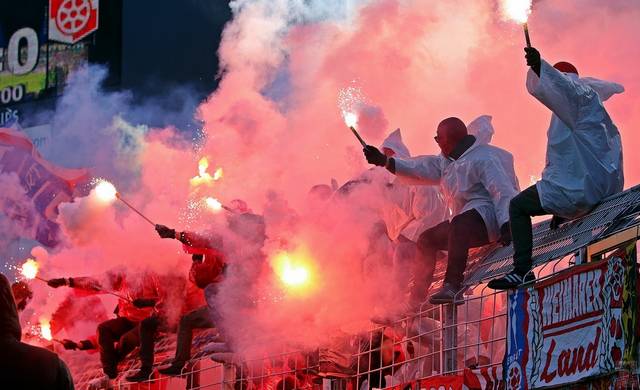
(105, 191)
(45, 329)
(213, 204)
(350, 119)
(350, 100)
(30, 269)
(517, 10)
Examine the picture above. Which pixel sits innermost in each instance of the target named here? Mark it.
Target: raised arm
(83, 283)
(191, 239)
(418, 170)
(559, 92)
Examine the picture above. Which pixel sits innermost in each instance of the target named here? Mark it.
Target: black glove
(165, 232)
(69, 344)
(556, 222)
(85, 345)
(505, 234)
(143, 302)
(374, 156)
(57, 282)
(533, 59)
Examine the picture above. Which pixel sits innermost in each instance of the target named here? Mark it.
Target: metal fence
(438, 340)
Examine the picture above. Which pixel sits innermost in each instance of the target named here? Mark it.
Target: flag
(45, 184)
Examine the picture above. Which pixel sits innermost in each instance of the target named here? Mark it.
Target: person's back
(23, 366)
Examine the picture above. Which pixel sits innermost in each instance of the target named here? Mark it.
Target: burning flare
(45, 329)
(217, 175)
(30, 269)
(213, 204)
(294, 270)
(203, 176)
(517, 10)
(350, 119)
(105, 191)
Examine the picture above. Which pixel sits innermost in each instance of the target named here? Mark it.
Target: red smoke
(275, 128)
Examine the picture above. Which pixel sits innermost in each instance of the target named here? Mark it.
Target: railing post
(450, 335)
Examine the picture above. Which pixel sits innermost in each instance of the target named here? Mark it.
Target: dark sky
(167, 43)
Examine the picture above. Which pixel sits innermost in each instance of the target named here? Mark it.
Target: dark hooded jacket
(23, 366)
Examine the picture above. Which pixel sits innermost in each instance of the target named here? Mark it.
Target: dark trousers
(199, 318)
(148, 329)
(522, 207)
(464, 231)
(119, 330)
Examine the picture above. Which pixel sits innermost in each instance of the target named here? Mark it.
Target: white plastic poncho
(584, 150)
(483, 178)
(410, 210)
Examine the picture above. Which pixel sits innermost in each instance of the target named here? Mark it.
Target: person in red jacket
(207, 269)
(138, 294)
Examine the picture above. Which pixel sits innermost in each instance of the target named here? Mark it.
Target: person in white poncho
(478, 182)
(407, 212)
(583, 162)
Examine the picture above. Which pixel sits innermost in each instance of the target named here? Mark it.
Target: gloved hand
(143, 302)
(533, 59)
(505, 234)
(69, 344)
(374, 156)
(85, 345)
(165, 231)
(57, 282)
(556, 222)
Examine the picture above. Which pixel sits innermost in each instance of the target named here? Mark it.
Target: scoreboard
(41, 43)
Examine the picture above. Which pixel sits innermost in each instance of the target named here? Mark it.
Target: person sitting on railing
(478, 181)
(583, 162)
(137, 294)
(207, 268)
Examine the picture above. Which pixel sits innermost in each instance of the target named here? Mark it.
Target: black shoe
(510, 281)
(447, 294)
(144, 374)
(173, 370)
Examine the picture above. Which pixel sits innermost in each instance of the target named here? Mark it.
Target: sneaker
(447, 294)
(510, 281)
(142, 375)
(172, 370)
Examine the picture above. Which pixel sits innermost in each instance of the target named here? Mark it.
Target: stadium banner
(43, 184)
(578, 324)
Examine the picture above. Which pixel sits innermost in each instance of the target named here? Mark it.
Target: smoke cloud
(275, 128)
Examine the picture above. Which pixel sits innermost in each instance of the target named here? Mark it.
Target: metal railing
(438, 340)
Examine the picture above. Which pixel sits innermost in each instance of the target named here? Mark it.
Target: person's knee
(427, 241)
(459, 227)
(149, 323)
(515, 206)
